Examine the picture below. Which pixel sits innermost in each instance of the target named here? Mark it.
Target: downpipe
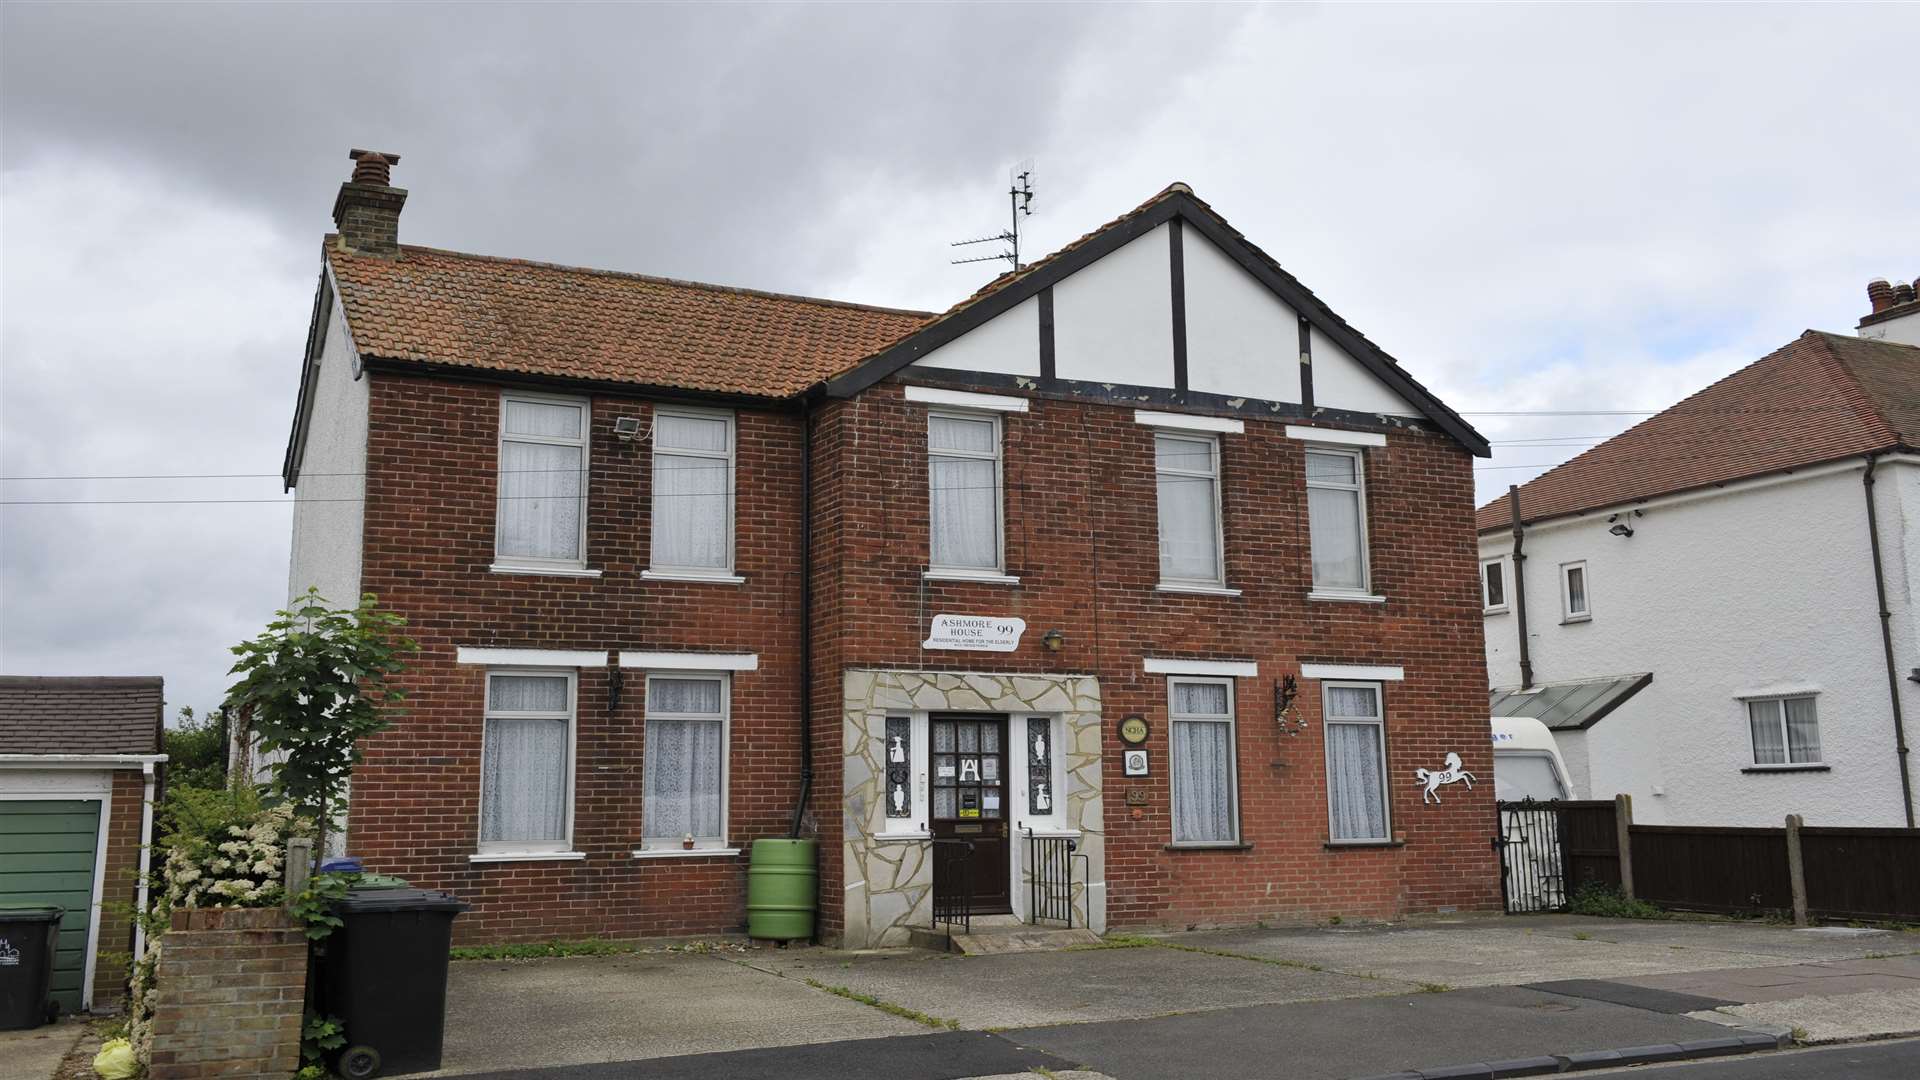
(1886, 641)
(806, 620)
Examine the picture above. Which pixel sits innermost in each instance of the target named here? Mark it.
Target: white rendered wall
(1008, 345)
(1339, 382)
(328, 508)
(1762, 588)
(1242, 341)
(1904, 330)
(1113, 319)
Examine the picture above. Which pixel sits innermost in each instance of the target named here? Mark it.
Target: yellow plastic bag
(115, 1061)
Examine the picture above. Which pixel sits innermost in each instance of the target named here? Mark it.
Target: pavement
(1328, 1002)
(35, 1054)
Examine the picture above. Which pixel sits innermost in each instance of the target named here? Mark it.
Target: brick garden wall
(233, 987)
(119, 889)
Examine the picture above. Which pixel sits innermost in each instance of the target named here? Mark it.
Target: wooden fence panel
(1592, 844)
(1862, 873)
(1712, 869)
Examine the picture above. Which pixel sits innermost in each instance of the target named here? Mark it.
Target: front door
(969, 772)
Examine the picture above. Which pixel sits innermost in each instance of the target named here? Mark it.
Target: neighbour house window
(685, 778)
(1493, 586)
(1785, 731)
(1200, 733)
(1187, 474)
(1575, 604)
(542, 511)
(526, 799)
(963, 486)
(693, 455)
(1337, 519)
(1356, 762)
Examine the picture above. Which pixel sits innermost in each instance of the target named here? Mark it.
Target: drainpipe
(1886, 642)
(146, 864)
(806, 618)
(1520, 585)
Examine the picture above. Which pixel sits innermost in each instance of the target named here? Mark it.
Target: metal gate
(1533, 857)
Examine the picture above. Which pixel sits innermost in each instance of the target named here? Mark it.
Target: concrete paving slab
(1785, 982)
(505, 1014)
(951, 1055)
(35, 1054)
(1839, 1017)
(1361, 1037)
(1030, 989)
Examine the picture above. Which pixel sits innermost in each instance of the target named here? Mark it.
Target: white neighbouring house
(1703, 624)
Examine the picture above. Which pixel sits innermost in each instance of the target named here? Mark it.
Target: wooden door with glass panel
(970, 802)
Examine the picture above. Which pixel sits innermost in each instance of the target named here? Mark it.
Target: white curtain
(527, 693)
(1200, 699)
(1333, 519)
(1355, 788)
(524, 789)
(690, 512)
(964, 497)
(1803, 730)
(1202, 780)
(546, 419)
(1189, 510)
(1769, 745)
(1576, 590)
(682, 779)
(540, 486)
(699, 697)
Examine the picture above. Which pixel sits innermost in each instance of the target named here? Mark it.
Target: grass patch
(1607, 902)
(887, 1007)
(1434, 988)
(1582, 935)
(1115, 941)
(540, 949)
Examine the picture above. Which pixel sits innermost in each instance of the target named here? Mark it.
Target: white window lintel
(691, 661)
(1156, 665)
(1357, 672)
(965, 399)
(1187, 422)
(1335, 436)
(532, 657)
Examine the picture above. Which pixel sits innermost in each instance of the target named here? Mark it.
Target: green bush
(1607, 902)
(196, 749)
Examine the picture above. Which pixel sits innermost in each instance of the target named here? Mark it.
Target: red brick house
(1140, 547)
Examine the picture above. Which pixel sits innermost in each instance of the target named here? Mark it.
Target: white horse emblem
(1435, 780)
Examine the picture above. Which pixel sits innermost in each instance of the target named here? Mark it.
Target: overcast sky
(1534, 208)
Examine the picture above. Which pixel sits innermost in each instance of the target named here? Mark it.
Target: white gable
(1007, 345)
(1339, 382)
(1113, 321)
(1242, 341)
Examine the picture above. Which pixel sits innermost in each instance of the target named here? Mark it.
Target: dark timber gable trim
(1306, 362)
(1046, 334)
(1177, 275)
(1174, 204)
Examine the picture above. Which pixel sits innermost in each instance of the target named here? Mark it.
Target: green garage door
(47, 850)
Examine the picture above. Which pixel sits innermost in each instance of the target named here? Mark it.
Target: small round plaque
(1133, 730)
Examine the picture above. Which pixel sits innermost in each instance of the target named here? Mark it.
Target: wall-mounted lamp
(1053, 639)
(627, 428)
(1623, 523)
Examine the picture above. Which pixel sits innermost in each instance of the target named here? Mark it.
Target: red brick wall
(119, 889)
(233, 985)
(1081, 535)
(429, 540)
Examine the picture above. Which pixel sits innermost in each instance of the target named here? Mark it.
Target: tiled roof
(1822, 397)
(85, 715)
(512, 315)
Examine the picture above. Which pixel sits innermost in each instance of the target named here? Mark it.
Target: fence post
(299, 865)
(1623, 839)
(1796, 870)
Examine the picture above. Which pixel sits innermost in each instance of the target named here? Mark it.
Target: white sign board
(975, 633)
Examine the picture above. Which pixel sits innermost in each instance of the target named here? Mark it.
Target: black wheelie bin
(28, 939)
(383, 973)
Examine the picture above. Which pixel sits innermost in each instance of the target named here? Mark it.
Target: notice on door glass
(975, 633)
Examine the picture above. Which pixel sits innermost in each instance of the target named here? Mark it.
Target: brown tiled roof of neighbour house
(1820, 398)
(80, 715)
(511, 315)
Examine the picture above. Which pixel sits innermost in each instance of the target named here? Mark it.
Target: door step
(994, 940)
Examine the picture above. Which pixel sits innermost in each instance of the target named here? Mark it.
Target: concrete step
(990, 940)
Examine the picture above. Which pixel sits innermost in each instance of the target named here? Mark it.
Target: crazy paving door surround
(889, 880)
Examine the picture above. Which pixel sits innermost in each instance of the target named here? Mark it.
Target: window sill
(1210, 847)
(1349, 597)
(1571, 619)
(1196, 590)
(1049, 833)
(1501, 610)
(526, 856)
(1811, 766)
(685, 853)
(961, 575)
(1343, 845)
(901, 837)
(709, 579)
(543, 571)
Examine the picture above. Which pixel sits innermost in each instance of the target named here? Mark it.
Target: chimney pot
(1880, 293)
(367, 209)
(373, 167)
(1902, 294)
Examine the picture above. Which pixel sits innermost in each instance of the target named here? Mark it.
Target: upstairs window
(542, 512)
(685, 774)
(1201, 738)
(963, 489)
(1786, 731)
(526, 770)
(1575, 604)
(1337, 519)
(1187, 476)
(693, 458)
(1493, 586)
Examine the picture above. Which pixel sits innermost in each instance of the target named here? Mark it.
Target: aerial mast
(1019, 204)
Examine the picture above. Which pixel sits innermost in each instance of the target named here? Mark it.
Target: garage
(50, 854)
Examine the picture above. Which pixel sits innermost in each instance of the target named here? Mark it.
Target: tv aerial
(1019, 204)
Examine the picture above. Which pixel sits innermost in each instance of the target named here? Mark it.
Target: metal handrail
(1049, 867)
(957, 907)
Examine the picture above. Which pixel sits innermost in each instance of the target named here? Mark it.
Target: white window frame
(1779, 701)
(1327, 719)
(1233, 759)
(730, 456)
(1018, 772)
(704, 844)
(999, 568)
(1359, 488)
(1487, 606)
(584, 442)
(1212, 474)
(530, 847)
(1567, 614)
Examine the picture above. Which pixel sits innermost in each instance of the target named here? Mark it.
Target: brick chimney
(367, 210)
(1896, 312)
